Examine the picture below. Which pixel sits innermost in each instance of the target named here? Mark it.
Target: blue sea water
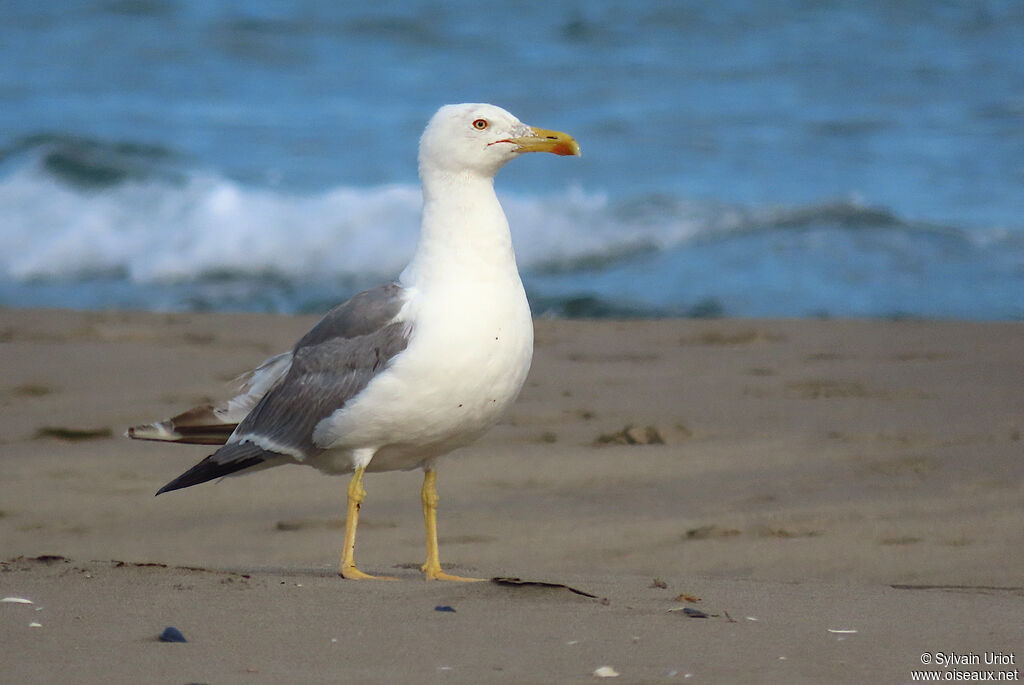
(740, 157)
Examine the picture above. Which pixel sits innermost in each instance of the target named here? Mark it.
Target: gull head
(481, 138)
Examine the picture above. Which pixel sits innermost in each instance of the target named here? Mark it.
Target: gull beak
(543, 140)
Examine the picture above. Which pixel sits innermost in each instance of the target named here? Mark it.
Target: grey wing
(330, 365)
(360, 315)
(210, 424)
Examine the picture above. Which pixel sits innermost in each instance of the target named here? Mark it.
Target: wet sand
(792, 480)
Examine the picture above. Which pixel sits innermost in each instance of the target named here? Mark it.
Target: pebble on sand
(172, 634)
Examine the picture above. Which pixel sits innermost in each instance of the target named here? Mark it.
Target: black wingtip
(225, 461)
(170, 486)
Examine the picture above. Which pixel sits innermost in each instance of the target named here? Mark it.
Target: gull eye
(480, 124)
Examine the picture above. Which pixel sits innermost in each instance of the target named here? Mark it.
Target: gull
(400, 375)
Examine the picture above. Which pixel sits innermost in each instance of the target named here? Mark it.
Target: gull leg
(356, 495)
(432, 567)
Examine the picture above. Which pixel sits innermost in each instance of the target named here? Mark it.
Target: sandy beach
(830, 500)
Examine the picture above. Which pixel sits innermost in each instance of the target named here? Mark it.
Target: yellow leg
(356, 495)
(432, 567)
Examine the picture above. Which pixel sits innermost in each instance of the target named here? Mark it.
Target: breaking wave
(131, 225)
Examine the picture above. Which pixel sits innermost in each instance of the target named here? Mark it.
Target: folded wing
(285, 398)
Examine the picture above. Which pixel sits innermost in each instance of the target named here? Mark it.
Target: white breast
(466, 362)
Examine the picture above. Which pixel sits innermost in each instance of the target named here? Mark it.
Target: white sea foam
(200, 240)
(159, 231)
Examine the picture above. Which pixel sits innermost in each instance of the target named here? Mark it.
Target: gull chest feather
(466, 362)
(482, 348)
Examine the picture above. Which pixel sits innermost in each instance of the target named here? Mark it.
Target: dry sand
(799, 477)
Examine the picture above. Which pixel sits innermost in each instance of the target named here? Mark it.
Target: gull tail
(202, 425)
(223, 462)
(213, 425)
